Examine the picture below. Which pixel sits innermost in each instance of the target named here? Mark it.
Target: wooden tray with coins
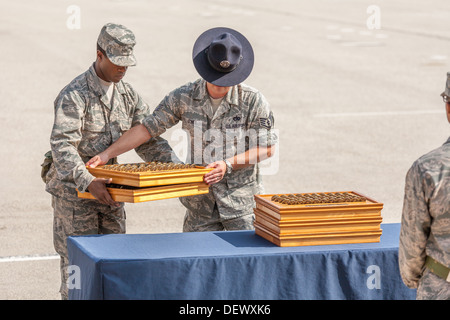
(315, 239)
(319, 218)
(305, 226)
(150, 174)
(122, 193)
(321, 205)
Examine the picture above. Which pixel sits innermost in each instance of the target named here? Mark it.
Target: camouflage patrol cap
(118, 41)
(447, 86)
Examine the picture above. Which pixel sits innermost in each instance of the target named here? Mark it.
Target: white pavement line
(35, 257)
(383, 113)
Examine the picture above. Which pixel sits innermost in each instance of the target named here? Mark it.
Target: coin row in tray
(313, 198)
(148, 166)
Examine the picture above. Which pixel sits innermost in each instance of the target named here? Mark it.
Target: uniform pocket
(91, 126)
(93, 131)
(125, 124)
(241, 193)
(193, 203)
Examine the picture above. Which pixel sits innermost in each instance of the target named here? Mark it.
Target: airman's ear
(99, 55)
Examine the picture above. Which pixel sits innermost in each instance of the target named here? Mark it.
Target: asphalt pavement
(354, 90)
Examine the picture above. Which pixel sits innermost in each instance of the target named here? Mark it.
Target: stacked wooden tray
(140, 182)
(318, 218)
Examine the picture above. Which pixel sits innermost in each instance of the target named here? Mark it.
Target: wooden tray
(318, 239)
(135, 195)
(282, 212)
(153, 178)
(315, 226)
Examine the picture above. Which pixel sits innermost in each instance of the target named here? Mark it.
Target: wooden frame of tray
(135, 195)
(318, 239)
(311, 226)
(152, 178)
(319, 210)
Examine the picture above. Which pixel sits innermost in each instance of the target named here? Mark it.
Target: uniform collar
(93, 82)
(94, 85)
(201, 93)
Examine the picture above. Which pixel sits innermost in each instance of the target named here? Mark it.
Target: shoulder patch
(267, 122)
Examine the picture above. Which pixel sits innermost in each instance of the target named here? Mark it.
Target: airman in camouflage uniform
(424, 250)
(86, 123)
(229, 204)
(226, 120)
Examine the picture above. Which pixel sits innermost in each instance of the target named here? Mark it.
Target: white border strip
(384, 113)
(35, 257)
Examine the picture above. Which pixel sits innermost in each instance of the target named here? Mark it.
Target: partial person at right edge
(424, 249)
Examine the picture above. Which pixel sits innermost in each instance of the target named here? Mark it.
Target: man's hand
(98, 189)
(101, 158)
(215, 175)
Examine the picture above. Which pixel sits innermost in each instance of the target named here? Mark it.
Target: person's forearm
(251, 157)
(131, 139)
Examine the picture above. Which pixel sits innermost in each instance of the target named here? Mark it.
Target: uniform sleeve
(415, 228)
(261, 120)
(157, 148)
(166, 115)
(65, 138)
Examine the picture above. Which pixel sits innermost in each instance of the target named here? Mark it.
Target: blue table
(232, 265)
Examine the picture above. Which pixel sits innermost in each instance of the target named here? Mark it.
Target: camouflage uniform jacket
(425, 228)
(86, 123)
(242, 121)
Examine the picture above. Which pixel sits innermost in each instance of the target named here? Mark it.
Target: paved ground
(354, 107)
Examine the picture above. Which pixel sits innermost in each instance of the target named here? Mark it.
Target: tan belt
(438, 268)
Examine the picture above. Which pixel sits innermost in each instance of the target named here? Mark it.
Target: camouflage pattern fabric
(118, 42)
(425, 223)
(432, 287)
(447, 86)
(81, 217)
(199, 218)
(86, 124)
(242, 121)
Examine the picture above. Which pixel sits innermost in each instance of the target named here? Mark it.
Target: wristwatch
(229, 167)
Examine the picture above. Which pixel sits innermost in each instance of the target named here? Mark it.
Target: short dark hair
(101, 50)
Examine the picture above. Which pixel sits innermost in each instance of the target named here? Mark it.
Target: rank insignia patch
(267, 122)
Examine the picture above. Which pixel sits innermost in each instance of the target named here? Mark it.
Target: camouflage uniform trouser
(81, 217)
(200, 220)
(432, 287)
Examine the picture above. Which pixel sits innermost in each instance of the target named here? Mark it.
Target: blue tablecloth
(232, 265)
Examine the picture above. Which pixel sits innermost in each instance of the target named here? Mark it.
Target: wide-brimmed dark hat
(223, 57)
